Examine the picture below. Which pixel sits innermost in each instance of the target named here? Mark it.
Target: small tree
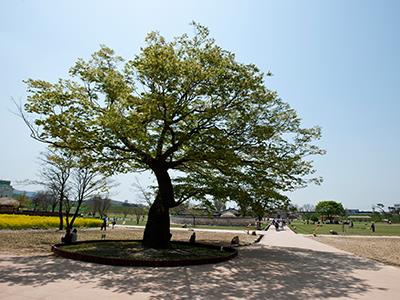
(124, 209)
(84, 184)
(100, 204)
(71, 181)
(44, 200)
(54, 175)
(380, 206)
(329, 209)
(139, 211)
(23, 200)
(307, 211)
(314, 217)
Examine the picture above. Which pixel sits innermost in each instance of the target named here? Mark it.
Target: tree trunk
(60, 214)
(75, 215)
(157, 232)
(53, 207)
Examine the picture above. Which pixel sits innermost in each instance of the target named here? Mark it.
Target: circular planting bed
(132, 253)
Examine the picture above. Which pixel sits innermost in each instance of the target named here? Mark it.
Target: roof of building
(228, 214)
(359, 217)
(7, 201)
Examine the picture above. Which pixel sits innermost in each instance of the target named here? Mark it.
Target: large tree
(329, 209)
(184, 105)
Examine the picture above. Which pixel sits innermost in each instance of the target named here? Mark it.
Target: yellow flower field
(40, 222)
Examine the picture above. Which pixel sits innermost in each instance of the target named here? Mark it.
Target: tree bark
(53, 207)
(60, 214)
(157, 232)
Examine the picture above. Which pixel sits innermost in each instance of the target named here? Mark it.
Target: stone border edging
(259, 238)
(57, 249)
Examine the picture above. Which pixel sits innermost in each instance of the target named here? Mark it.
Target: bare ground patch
(386, 250)
(40, 241)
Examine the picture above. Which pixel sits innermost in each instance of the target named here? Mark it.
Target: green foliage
(395, 218)
(185, 105)
(329, 209)
(314, 218)
(376, 217)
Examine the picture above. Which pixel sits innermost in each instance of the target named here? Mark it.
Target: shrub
(314, 218)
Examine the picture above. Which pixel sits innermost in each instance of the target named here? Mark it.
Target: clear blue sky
(336, 62)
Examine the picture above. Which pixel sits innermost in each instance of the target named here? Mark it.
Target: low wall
(223, 221)
(35, 213)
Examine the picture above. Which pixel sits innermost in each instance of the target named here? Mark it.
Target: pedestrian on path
(276, 223)
(104, 225)
(373, 227)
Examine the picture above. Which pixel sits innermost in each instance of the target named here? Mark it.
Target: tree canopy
(184, 105)
(329, 209)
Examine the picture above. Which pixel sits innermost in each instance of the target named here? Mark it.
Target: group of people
(278, 223)
(105, 223)
(70, 236)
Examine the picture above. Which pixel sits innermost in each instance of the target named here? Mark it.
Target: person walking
(104, 225)
(373, 227)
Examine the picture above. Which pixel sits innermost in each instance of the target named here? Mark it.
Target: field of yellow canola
(40, 222)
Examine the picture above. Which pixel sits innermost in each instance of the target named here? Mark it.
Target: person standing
(113, 223)
(104, 225)
(373, 227)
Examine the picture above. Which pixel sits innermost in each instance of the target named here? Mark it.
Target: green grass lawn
(132, 221)
(359, 228)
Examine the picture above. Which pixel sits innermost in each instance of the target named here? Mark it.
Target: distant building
(229, 213)
(351, 211)
(8, 205)
(6, 190)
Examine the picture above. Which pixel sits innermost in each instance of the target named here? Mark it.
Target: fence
(211, 221)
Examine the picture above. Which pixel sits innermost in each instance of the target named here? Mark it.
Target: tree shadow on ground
(259, 272)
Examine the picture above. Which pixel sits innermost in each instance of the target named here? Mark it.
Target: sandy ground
(282, 266)
(386, 250)
(40, 241)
